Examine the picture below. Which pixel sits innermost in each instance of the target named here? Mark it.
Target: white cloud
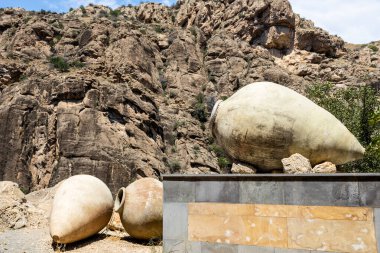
(356, 21)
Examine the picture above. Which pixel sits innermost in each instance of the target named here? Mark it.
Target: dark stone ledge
(275, 177)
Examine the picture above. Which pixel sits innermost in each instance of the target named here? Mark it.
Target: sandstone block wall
(272, 213)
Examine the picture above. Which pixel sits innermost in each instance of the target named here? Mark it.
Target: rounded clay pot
(82, 207)
(140, 208)
(264, 122)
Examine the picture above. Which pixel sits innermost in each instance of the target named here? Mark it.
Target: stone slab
(278, 250)
(175, 221)
(218, 248)
(179, 191)
(377, 227)
(217, 191)
(194, 247)
(338, 235)
(262, 192)
(369, 193)
(335, 228)
(171, 246)
(277, 177)
(254, 249)
(322, 193)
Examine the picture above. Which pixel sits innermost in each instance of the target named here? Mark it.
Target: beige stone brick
(332, 235)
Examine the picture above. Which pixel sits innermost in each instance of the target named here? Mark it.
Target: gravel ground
(27, 240)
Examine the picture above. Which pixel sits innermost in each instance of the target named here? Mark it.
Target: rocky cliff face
(132, 88)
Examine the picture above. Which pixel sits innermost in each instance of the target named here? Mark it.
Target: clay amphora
(82, 206)
(140, 208)
(264, 122)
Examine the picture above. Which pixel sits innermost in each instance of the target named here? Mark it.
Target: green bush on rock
(60, 63)
(358, 108)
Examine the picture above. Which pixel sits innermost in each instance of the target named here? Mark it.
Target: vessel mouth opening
(214, 112)
(119, 200)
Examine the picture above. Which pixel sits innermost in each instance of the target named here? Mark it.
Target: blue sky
(356, 21)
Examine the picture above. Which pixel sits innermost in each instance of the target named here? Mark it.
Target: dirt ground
(37, 240)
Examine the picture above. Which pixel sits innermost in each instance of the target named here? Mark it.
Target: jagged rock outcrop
(132, 88)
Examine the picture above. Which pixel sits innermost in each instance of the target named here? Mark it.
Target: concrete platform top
(279, 177)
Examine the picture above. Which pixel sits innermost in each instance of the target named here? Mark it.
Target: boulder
(238, 168)
(326, 167)
(296, 164)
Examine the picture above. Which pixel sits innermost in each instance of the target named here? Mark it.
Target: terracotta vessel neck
(213, 115)
(119, 201)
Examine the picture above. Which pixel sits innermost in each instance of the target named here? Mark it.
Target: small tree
(359, 110)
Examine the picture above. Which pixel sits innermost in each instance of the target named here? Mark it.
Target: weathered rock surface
(296, 164)
(19, 210)
(140, 104)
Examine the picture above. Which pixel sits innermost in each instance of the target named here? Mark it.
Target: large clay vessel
(82, 207)
(140, 208)
(264, 122)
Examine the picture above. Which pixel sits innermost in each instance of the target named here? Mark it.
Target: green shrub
(224, 162)
(83, 9)
(216, 149)
(200, 109)
(25, 190)
(158, 29)
(23, 77)
(115, 13)
(200, 112)
(60, 63)
(373, 48)
(359, 110)
(57, 38)
(200, 98)
(164, 84)
(71, 9)
(174, 166)
(178, 124)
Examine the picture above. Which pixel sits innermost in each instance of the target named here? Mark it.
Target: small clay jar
(140, 208)
(82, 207)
